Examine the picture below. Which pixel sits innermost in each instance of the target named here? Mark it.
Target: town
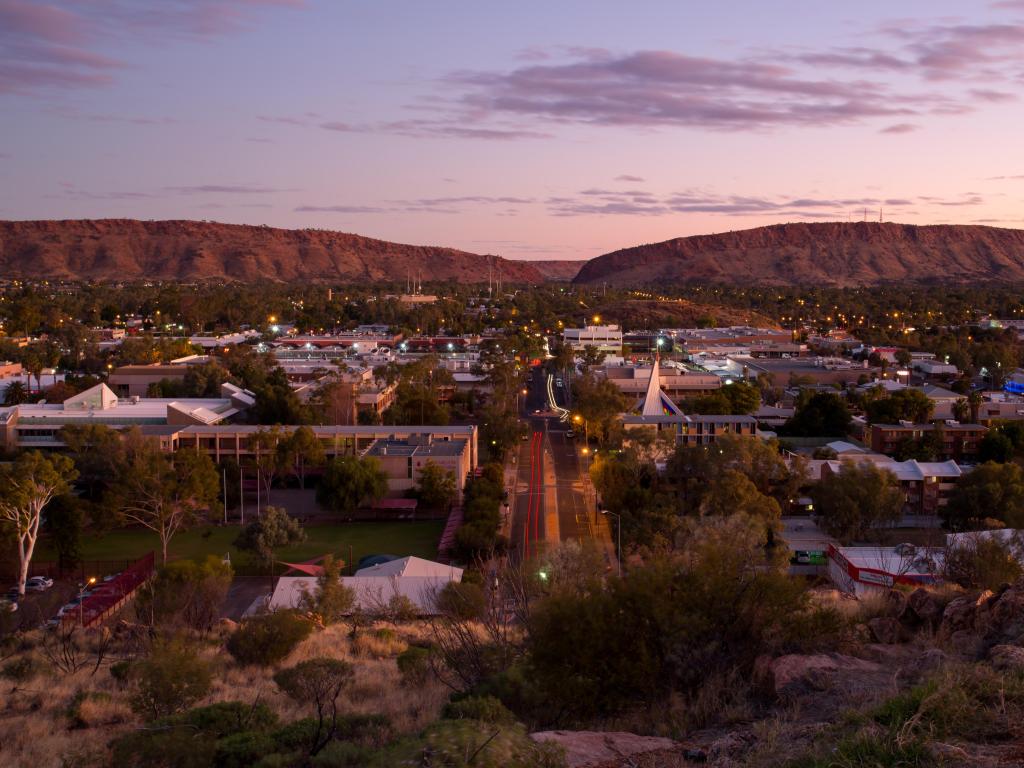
(260, 461)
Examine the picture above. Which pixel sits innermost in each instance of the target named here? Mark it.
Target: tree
(161, 492)
(185, 593)
(273, 530)
(903, 405)
(16, 393)
(859, 499)
(269, 456)
(331, 600)
(348, 481)
(64, 525)
(318, 682)
(599, 402)
(742, 396)
(990, 491)
(985, 560)
(301, 448)
(438, 487)
(995, 446)
(731, 491)
(961, 410)
(823, 414)
(26, 487)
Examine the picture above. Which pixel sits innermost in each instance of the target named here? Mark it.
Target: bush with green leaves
(317, 682)
(414, 665)
(21, 669)
(221, 734)
(461, 600)
(486, 709)
(170, 680)
(185, 593)
(266, 640)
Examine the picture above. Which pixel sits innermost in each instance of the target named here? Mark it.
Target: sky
(560, 129)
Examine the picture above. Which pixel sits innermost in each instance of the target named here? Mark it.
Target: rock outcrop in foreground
(842, 254)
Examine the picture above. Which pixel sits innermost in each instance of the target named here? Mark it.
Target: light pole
(618, 548)
(81, 600)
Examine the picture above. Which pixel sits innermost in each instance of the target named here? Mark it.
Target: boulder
(925, 607)
(1005, 616)
(794, 674)
(966, 644)
(922, 664)
(227, 626)
(887, 630)
(1009, 658)
(584, 749)
(962, 613)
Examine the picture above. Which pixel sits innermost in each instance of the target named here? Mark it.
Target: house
(374, 587)
(9, 370)
(634, 381)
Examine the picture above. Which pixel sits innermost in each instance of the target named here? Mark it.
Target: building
(135, 380)
(412, 578)
(233, 440)
(958, 442)
(604, 338)
(634, 381)
(864, 570)
(926, 485)
(9, 370)
(404, 459)
(38, 425)
(659, 414)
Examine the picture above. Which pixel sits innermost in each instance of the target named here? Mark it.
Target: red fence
(447, 544)
(109, 596)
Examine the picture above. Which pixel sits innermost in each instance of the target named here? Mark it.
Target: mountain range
(840, 254)
(837, 253)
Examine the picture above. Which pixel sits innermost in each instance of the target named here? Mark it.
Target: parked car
(12, 594)
(570, 434)
(38, 584)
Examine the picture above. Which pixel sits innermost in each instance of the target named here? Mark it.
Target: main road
(549, 499)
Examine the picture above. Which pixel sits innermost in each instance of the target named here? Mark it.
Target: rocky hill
(126, 249)
(841, 254)
(558, 271)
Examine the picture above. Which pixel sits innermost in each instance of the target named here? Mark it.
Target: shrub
(169, 681)
(121, 672)
(364, 730)
(414, 665)
(242, 750)
(266, 640)
(197, 738)
(22, 669)
(469, 744)
(317, 682)
(486, 709)
(339, 754)
(461, 600)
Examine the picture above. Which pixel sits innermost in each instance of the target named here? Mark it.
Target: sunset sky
(556, 129)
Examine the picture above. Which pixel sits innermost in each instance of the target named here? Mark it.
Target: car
(38, 584)
(8, 606)
(12, 594)
(559, 383)
(570, 434)
(524, 437)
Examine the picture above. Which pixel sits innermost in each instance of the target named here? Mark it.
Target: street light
(618, 549)
(81, 600)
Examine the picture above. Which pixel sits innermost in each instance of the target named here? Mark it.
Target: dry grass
(36, 729)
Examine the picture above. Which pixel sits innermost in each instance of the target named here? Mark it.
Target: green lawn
(401, 538)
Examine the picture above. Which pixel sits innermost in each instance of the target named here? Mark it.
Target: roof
(842, 446)
(412, 566)
(656, 402)
(902, 560)
(390, 447)
(372, 593)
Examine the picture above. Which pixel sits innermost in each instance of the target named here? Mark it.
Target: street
(549, 502)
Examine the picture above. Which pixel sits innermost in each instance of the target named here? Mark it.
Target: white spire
(656, 402)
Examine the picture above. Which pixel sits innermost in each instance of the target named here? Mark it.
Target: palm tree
(974, 400)
(16, 393)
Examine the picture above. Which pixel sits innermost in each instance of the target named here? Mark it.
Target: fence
(448, 537)
(109, 596)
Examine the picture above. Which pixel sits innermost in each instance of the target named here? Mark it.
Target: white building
(606, 338)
